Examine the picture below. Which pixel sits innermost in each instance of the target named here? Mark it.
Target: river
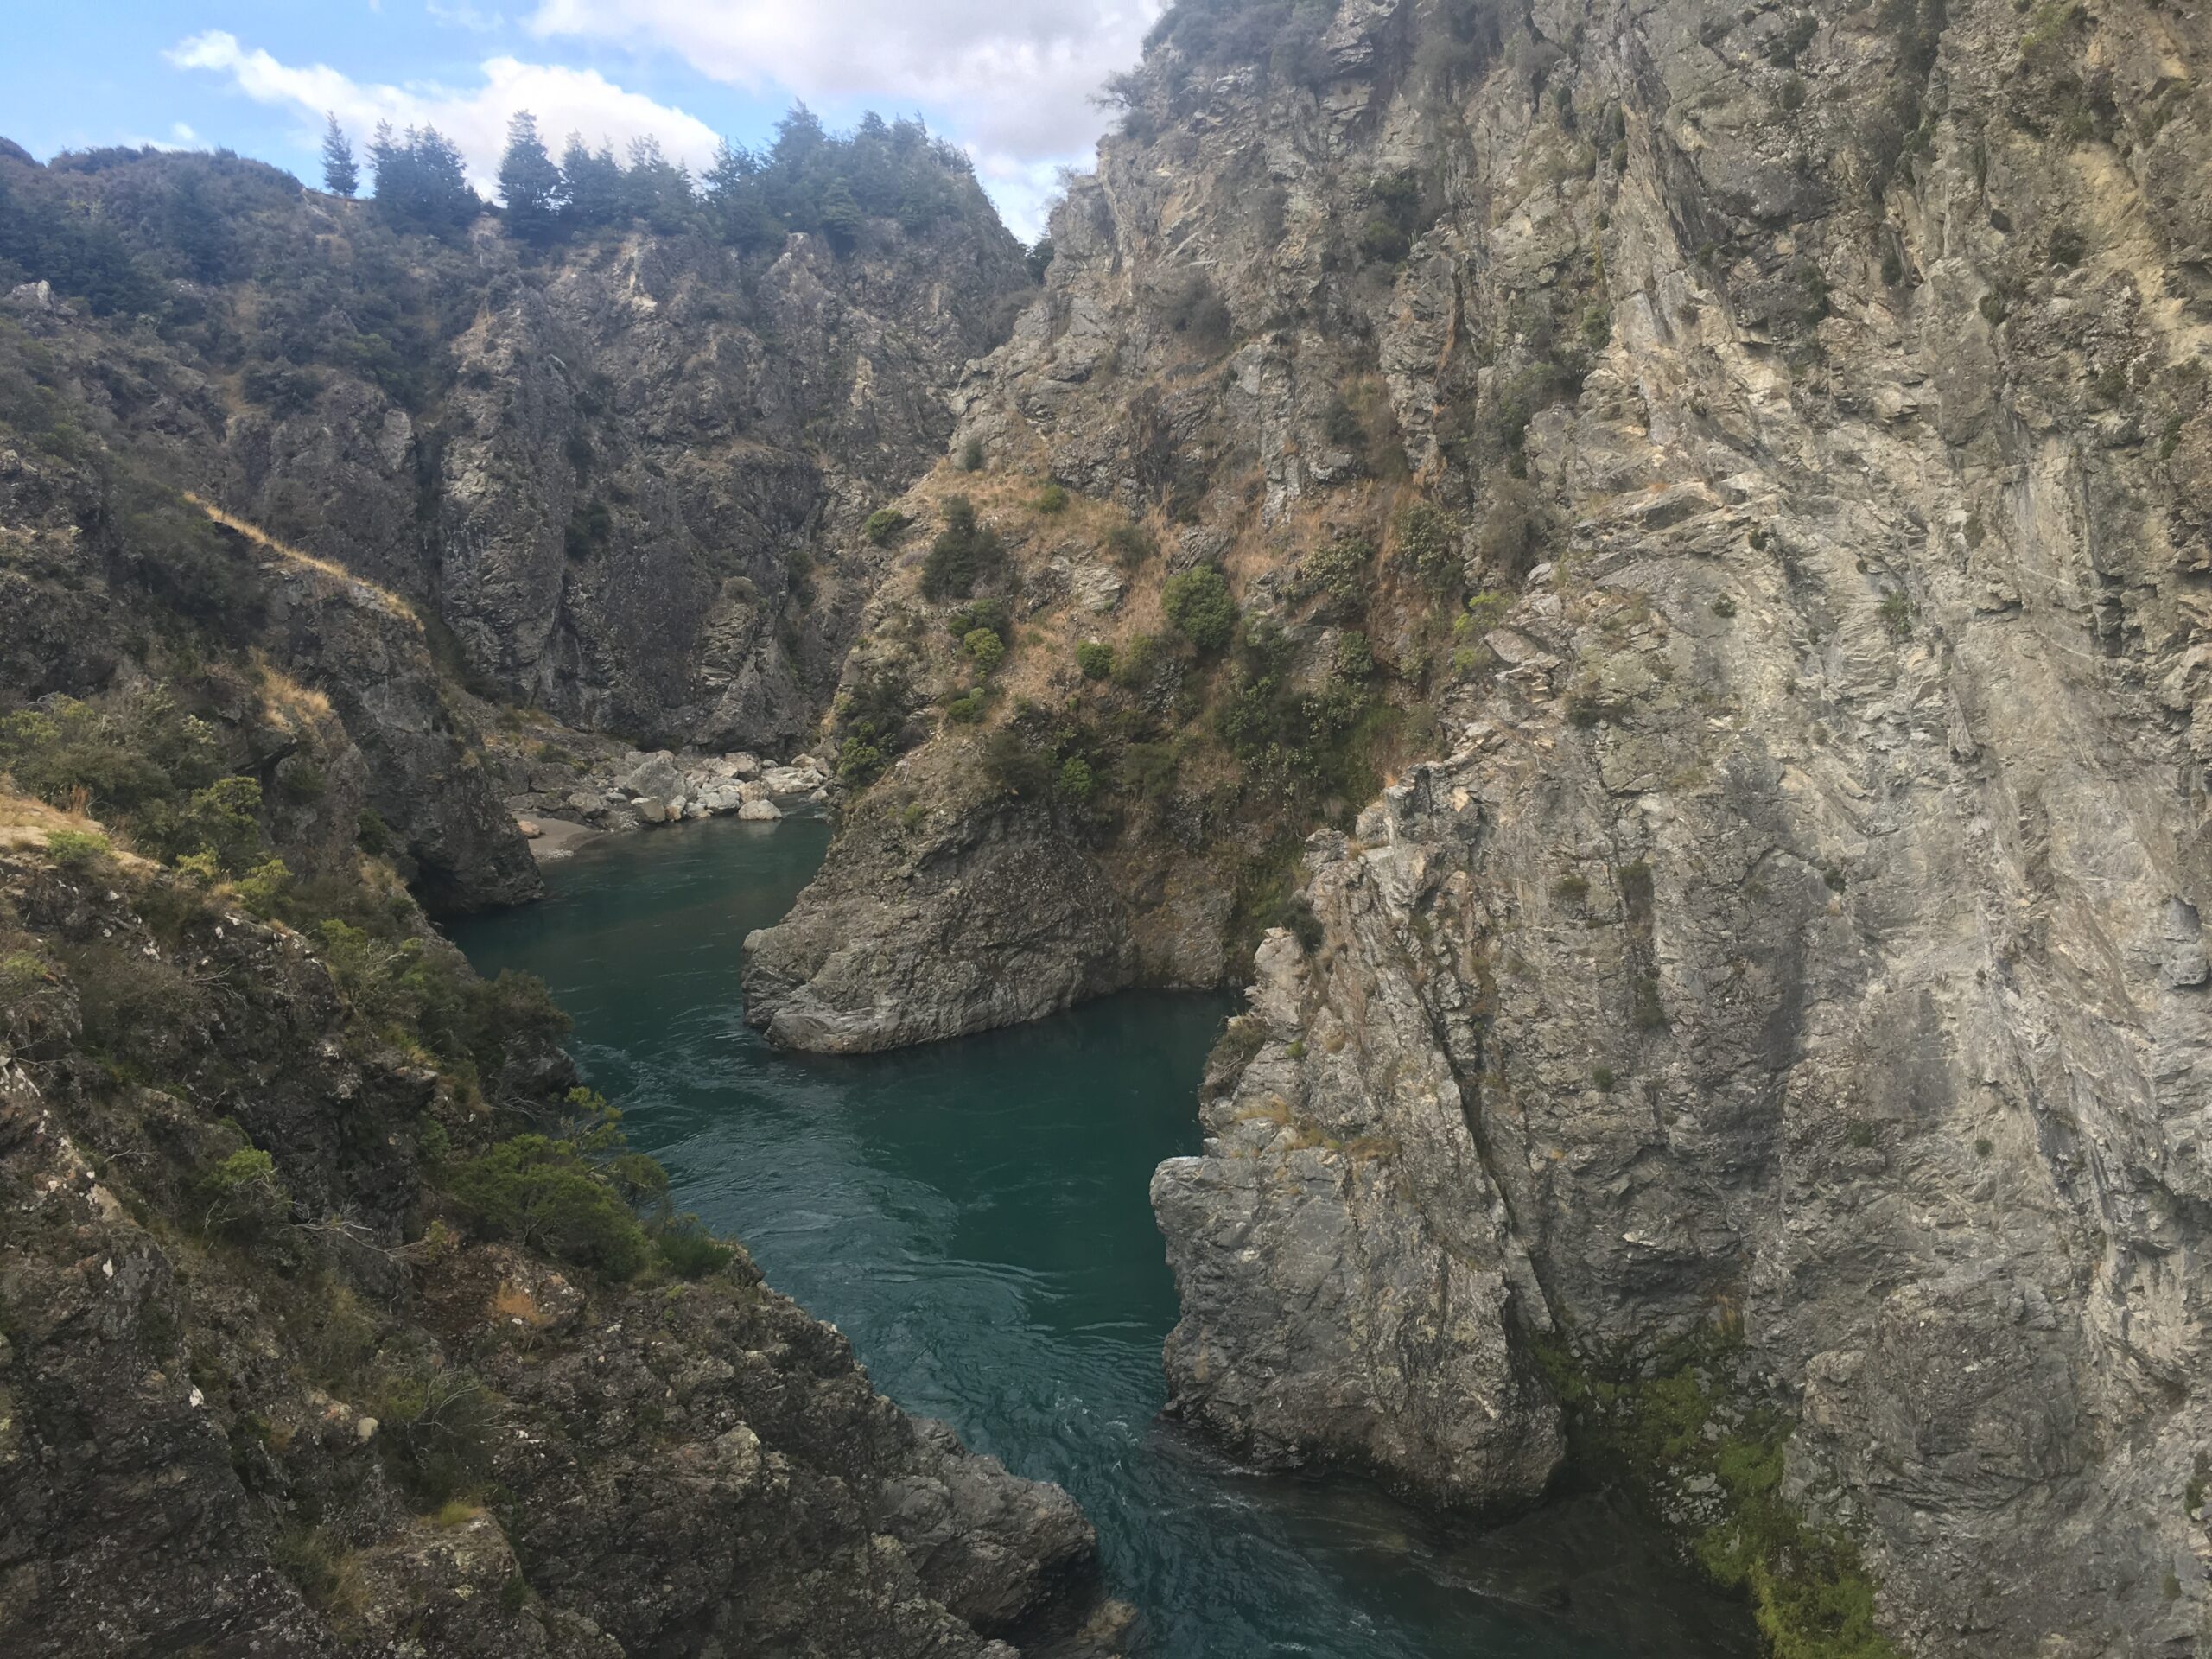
(973, 1216)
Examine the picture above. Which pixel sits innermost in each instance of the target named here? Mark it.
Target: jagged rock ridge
(1790, 948)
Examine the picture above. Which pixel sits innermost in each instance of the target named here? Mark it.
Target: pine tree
(340, 176)
(529, 182)
(384, 162)
(656, 190)
(591, 184)
(843, 221)
(421, 182)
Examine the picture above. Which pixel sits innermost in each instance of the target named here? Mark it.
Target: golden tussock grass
(360, 588)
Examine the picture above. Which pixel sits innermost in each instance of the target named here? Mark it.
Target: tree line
(809, 180)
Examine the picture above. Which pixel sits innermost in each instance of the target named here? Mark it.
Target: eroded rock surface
(1790, 935)
(335, 1431)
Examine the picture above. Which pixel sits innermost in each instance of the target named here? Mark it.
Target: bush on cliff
(964, 553)
(241, 1198)
(435, 1428)
(1198, 605)
(542, 1192)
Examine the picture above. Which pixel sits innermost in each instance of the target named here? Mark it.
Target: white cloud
(563, 100)
(472, 18)
(1013, 78)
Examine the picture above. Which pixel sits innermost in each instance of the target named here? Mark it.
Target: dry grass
(290, 704)
(360, 588)
(27, 822)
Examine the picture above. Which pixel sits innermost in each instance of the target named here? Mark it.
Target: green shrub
(1077, 780)
(987, 649)
(119, 759)
(1896, 611)
(373, 835)
(1341, 425)
(963, 553)
(1384, 243)
(1339, 568)
(1429, 542)
(1195, 309)
(980, 614)
(1198, 604)
(971, 455)
(859, 760)
(884, 525)
(1016, 768)
(1295, 912)
(1570, 888)
(1354, 663)
(1131, 546)
(1147, 770)
(1137, 662)
(435, 1427)
(689, 1251)
(75, 849)
(1637, 889)
(1388, 236)
(1096, 659)
(589, 531)
(1602, 1079)
(263, 890)
(1512, 530)
(1052, 498)
(1646, 1012)
(241, 1198)
(1723, 607)
(967, 709)
(543, 1192)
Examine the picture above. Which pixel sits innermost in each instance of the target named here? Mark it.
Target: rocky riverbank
(312, 1342)
(628, 791)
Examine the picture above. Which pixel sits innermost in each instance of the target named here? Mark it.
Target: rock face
(612, 481)
(85, 588)
(1799, 939)
(997, 917)
(245, 1439)
(1327, 1318)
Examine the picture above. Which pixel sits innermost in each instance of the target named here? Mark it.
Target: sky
(1011, 81)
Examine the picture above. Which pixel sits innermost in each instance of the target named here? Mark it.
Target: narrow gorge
(1631, 576)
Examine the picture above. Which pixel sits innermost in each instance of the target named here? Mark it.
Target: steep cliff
(326, 1326)
(611, 477)
(1758, 452)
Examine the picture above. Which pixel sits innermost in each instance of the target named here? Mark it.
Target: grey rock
(656, 775)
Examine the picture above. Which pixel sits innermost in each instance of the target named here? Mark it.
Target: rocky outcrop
(1327, 1320)
(642, 458)
(615, 480)
(272, 1410)
(427, 780)
(88, 589)
(1797, 951)
(984, 917)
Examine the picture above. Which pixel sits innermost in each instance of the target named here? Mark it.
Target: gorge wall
(1733, 473)
(1647, 558)
(608, 480)
(333, 1317)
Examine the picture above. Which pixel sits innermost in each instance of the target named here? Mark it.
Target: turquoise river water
(973, 1216)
